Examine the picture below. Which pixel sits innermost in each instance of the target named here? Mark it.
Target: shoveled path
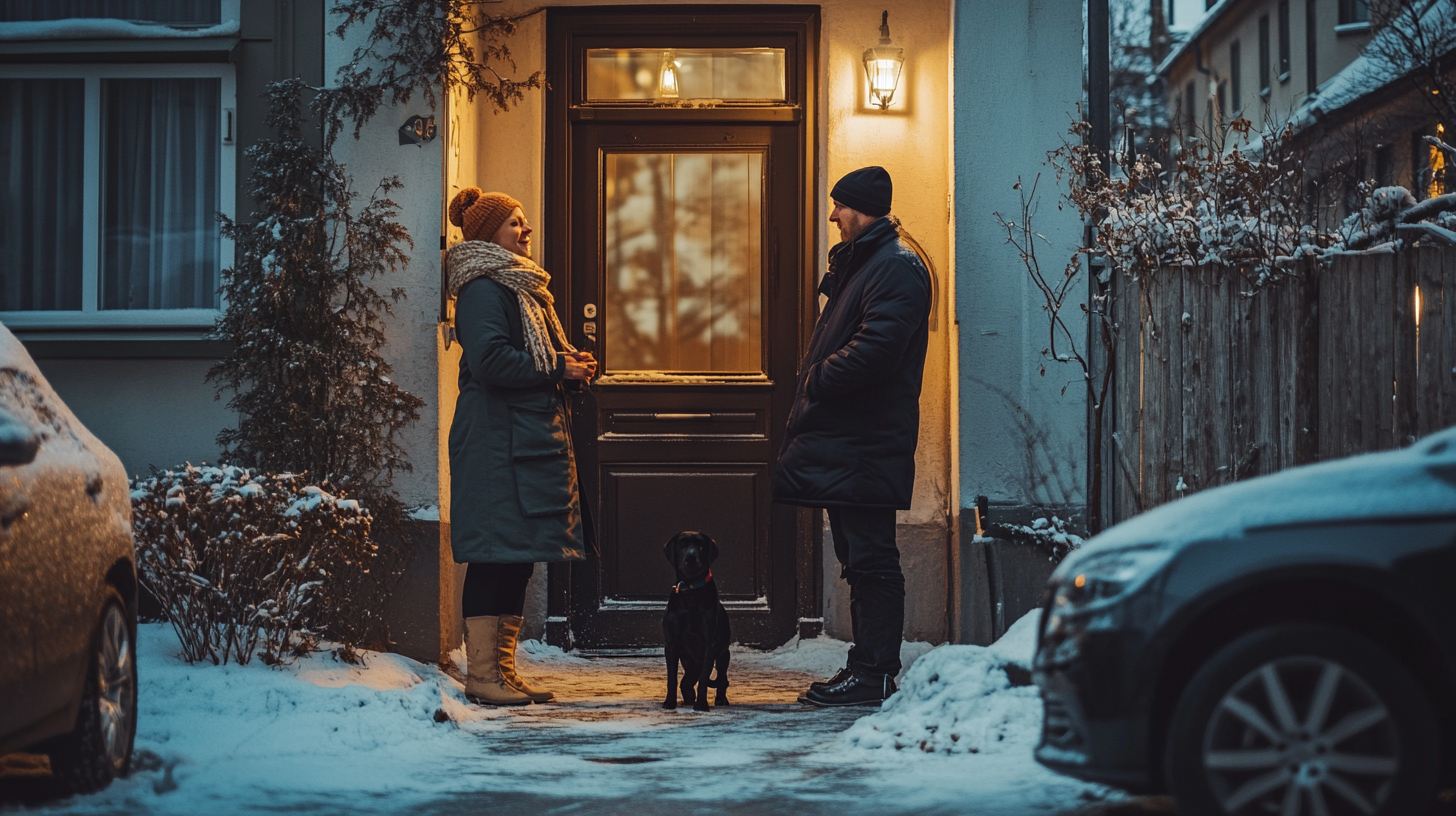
(607, 746)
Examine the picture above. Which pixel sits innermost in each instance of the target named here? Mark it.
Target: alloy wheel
(116, 700)
(1301, 736)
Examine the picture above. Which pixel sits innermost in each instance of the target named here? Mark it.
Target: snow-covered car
(68, 587)
(1284, 645)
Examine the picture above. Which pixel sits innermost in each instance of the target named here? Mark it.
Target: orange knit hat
(479, 214)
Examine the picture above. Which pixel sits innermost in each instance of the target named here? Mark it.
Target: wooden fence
(1214, 384)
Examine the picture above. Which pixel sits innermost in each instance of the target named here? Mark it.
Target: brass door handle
(683, 417)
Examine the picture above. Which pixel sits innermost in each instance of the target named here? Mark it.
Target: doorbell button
(589, 311)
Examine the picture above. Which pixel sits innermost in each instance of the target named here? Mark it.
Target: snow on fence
(1213, 385)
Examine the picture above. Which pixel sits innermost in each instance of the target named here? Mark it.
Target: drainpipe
(1099, 103)
(1099, 89)
(1212, 83)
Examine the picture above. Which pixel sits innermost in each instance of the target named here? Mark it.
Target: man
(850, 444)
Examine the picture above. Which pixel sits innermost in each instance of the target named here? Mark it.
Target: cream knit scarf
(469, 260)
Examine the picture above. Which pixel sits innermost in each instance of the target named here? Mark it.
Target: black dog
(695, 628)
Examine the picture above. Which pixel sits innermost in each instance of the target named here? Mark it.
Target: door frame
(652, 26)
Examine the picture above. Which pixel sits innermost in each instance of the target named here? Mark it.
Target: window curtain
(42, 133)
(160, 177)
(175, 12)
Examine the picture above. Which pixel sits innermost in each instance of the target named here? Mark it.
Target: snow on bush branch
(1238, 203)
(244, 561)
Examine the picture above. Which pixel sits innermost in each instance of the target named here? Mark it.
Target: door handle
(682, 417)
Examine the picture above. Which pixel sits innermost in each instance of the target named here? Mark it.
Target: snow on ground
(960, 700)
(397, 736)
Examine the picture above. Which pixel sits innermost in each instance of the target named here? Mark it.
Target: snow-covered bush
(246, 562)
(1235, 202)
(1053, 534)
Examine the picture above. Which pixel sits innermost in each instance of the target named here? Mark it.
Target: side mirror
(18, 444)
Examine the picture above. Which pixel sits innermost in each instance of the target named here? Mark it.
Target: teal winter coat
(513, 484)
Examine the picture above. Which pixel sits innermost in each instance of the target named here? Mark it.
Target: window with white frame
(111, 180)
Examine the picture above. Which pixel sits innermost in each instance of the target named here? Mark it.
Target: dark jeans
(494, 589)
(864, 543)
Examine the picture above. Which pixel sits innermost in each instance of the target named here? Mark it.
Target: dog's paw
(721, 699)
(669, 704)
(701, 705)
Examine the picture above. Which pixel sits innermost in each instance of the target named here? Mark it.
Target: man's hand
(580, 365)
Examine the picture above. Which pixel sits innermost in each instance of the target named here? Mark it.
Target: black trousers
(495, 589)
(864, 543)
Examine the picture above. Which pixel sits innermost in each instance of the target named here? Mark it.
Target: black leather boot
(856, 690)
(839, 677)
(843, 674)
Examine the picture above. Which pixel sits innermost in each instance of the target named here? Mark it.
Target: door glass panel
(683, 235)
(644, 74)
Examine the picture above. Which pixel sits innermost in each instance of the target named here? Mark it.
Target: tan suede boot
(484, 683)
(510, 631)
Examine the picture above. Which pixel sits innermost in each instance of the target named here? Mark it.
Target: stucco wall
(911, 140)
(413, 343)
(151, 413)
(1018, 82)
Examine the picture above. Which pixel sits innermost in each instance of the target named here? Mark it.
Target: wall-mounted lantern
(668, 86)
(883, 63)
(417, 130)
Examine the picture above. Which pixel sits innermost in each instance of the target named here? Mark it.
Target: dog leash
(698, 584)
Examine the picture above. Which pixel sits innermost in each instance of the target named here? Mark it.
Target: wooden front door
(679, 226)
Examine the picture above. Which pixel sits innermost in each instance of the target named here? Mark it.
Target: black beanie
(866, 189)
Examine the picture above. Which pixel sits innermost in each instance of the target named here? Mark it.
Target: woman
(513, 488)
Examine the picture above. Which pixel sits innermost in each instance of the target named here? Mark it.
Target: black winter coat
(856, 417)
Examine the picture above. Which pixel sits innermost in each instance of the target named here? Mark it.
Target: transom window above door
(112, 181)
(637, 75)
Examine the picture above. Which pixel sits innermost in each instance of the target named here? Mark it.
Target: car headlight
(1100, 579)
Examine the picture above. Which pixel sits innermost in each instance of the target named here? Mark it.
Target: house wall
(424, 616)
(1017, 86)
(151, 412)
(912, 141)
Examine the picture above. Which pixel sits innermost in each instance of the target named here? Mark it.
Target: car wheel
(100, 747)
(1302, 720)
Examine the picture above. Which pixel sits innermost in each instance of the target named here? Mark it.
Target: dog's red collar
(682, 586)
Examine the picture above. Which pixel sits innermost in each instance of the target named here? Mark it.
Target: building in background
(1353, 78)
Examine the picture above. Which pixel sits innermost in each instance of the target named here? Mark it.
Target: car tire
(99, 748)
(1291, 717)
